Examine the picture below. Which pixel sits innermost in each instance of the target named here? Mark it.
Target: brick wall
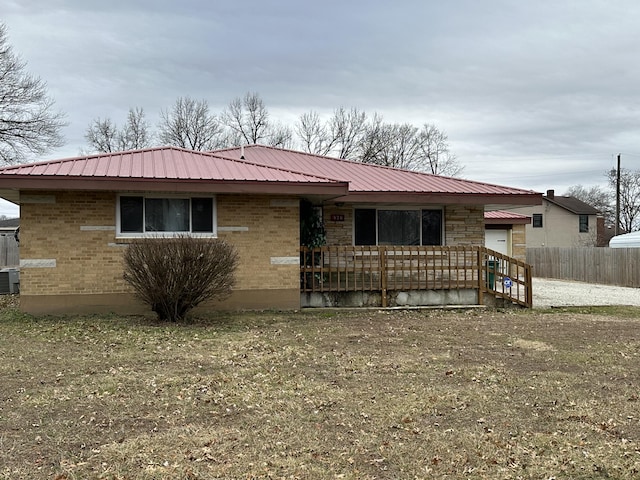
(59, 253)
(266, 232)
(519, 242)
(464, 225)
(339, 232)
(68, 242)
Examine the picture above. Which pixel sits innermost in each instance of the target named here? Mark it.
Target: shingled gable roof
(373, 183)
(262, 170)
(573, 205)
(165, 169)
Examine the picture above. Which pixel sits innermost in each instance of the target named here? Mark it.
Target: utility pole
(617, 229)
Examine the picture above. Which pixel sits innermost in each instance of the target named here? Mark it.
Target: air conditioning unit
(9, 281)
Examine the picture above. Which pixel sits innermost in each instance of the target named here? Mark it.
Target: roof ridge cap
(384, 167)
(94, 155)
(280, 169)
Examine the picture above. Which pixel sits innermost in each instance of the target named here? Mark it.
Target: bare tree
(346, 128)
(352, 135)
(345, 134)
(598, 197)
(248, 118)
(248, 122)
(136, 131)
(313, 134)
(189, 124)
(374, 142)
(102, 135)
(629, 197)
(28, 122)
(434, 152)
(405, 150)
(397, 146)
(280, 135)
(402, 145)
(105, 136)
(348, 134)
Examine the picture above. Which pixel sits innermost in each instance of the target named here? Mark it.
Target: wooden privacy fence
(607, 266)
(9, 256)
(405, 268)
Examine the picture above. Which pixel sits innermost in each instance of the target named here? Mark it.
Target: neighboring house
(9, 250)
(78, 214)
(562, 221)
(505, 232)
(9, 226)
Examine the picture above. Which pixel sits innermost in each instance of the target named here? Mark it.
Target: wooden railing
(393, 268)
(505, 277)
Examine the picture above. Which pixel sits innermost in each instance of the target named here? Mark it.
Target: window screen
(131, 214)
(201, 215)
(365, 226)
(398, 227)
(431, 227)
(166, 215)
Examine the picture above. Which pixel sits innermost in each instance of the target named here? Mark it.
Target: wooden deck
(406, 268)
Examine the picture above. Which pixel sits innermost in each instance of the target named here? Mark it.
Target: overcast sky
(533, 94)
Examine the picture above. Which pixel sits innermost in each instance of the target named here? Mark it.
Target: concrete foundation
(411, 298)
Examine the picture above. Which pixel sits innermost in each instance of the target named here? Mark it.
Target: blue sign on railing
(507, 282)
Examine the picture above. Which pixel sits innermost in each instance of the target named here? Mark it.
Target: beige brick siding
(273, 232)
(464, 225)
(339, 232)
(78, 233)
(519, 242)
(85, 263)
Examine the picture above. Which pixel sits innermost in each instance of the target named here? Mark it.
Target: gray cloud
(532, 94)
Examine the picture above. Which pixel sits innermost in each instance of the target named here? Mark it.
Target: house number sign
(337, 217)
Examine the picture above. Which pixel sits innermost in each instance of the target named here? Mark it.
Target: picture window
(397, 227)
(140, 216)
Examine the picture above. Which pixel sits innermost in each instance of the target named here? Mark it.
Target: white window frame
(214, 225)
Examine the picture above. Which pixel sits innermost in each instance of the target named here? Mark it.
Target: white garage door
(497, 240)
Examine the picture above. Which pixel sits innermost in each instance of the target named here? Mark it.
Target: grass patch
(354, 394)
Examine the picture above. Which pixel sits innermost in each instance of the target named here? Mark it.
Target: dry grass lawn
(322, 394)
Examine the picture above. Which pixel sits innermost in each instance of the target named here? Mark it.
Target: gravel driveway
(560, 293)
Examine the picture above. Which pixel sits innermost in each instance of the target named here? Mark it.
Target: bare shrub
(174, 275)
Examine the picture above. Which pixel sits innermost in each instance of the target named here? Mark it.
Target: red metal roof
(263, 169)
(373, 179)
(162, 164)
(505, 217)
(166, 168)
